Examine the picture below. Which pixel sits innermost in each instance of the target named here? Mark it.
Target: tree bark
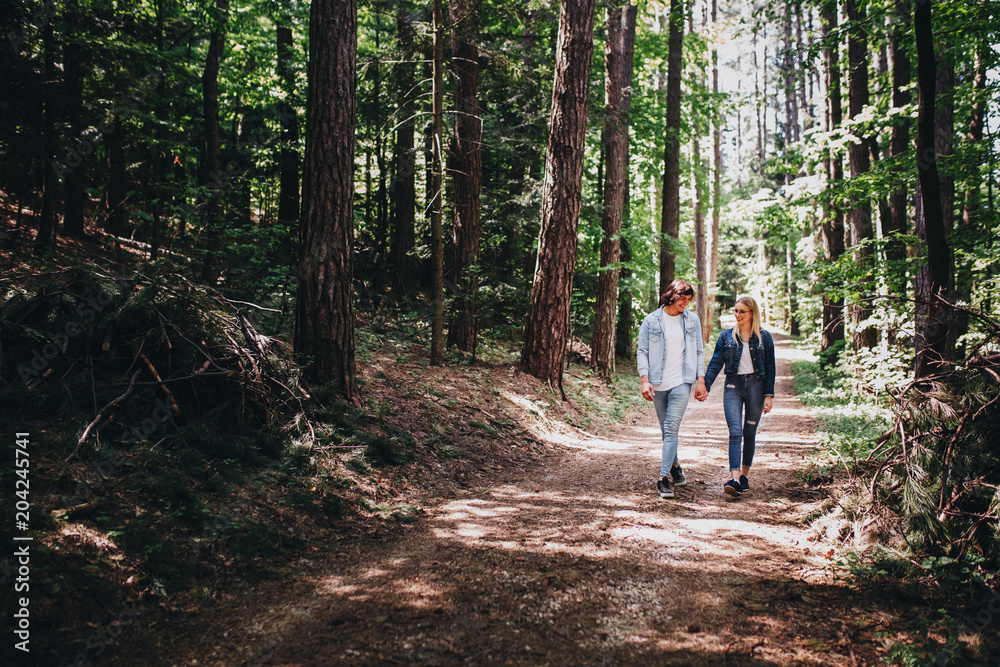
(324, 317)
(833, 224)
(117, 213)
(858, 155)
(75, 189)
(802, 77)
(791, 137)
(288, 196)
(713, 254)
(971, 207)
(671, 220)
(161, 160)
(466, 176)
(931, 289)
(759, 102)
(700, 195)
(548, 319)
(623, 329)
(620, 29)
(212, 161)
(944, 140)
(382, 194)
(403, 191)
(899, 143)
(791, 89)
(47, 222)
(437, 189)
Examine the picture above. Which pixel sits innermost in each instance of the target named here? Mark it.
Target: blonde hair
(749, 302)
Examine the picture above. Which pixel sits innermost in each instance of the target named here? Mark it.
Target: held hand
(767, 404)
(700, 392)
(647, 389)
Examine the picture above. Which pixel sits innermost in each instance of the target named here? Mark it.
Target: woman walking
(670, 359)
(746, 353)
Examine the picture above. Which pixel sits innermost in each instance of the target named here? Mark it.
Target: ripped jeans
(743, 401)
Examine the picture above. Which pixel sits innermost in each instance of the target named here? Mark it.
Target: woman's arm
(716, 364)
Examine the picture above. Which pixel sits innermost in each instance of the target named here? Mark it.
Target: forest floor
(563, 554)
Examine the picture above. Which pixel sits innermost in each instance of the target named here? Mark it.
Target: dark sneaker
(677, 476)
(665, 489)
(744, 483)
(732, 488)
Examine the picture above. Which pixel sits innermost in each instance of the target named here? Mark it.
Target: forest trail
(575, 562)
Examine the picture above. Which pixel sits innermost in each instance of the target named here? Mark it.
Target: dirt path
(578, 562)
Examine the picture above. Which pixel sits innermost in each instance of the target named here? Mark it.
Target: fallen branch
(100, 415)
(170, 397)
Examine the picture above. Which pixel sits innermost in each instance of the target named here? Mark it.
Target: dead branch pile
(142, 357)
(936, 473)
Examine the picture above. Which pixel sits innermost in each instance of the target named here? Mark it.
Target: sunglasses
(737, 311)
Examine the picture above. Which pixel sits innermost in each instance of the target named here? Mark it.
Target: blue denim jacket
(728, 351)
(651, 355)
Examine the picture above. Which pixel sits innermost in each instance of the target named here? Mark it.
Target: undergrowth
(895, 539)
(174, 450)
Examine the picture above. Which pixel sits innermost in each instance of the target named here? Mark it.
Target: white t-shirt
(673, 334)
(746, 364)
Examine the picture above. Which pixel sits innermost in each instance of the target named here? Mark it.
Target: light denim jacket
(651, 354)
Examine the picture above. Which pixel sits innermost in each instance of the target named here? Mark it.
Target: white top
(746, 364)
(673, 334)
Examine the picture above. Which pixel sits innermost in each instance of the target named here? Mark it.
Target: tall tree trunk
(833, 224)
(713, 256)
(437, 188)
(623, 329)
(404, 196)
(944, 130)
(381, 196)
(930, 341)
(944, 140)
(970, 208)
(288, 158)
(802, 77)
(47, 222)
(75, 185)
(758, 104)
(161, 161)
(671, 220)
(791, 136)
(791, 87)
(466, 176)
(763, 112)
(212, 161)
(403, 191)
(789, 90)
(548, 320)
(324, 314)
(700, 195)
(899, 143)
(977, 123)
(117, 212)
(620, 30)
(858, 155)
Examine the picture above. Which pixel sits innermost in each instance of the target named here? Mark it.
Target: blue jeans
(743, 402)
(670, 407)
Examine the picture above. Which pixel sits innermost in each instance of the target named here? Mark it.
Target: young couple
(670, 359)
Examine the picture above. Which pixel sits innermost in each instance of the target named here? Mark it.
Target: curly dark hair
(676, 290)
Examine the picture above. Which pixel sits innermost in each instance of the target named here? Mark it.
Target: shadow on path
(579, 562)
